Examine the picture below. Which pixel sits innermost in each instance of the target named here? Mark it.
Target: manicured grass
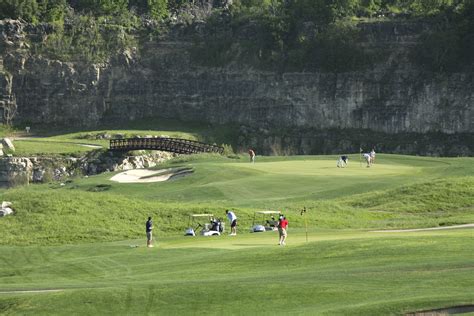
(71, 142)
(391, 194)
(336, 273)
(81, 238)
(46, 146)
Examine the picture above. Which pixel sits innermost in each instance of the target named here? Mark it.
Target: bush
(90, 39)
(228, 150)
(158, 8)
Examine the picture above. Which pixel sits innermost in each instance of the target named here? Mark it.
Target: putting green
(328, 168)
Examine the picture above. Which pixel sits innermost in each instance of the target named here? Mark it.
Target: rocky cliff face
(391, 98)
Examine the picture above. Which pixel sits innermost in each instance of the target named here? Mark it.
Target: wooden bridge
(174, 145)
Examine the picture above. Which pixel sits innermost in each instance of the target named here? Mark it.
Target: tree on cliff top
(14, 9)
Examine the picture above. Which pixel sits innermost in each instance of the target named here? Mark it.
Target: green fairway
(80, 238)
(336, 273)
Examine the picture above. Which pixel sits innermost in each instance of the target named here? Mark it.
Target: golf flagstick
(303, 213)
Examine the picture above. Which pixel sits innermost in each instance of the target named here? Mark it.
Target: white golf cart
(264, 221)
(209, 225)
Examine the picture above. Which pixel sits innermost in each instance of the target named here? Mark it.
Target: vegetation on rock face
(286, 35)
(323, 35)
(450, 46)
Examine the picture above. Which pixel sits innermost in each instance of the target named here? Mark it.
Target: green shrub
(90, 39)
(158, 8)
(228, 150)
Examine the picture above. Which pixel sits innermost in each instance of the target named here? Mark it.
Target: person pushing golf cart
(209, 225)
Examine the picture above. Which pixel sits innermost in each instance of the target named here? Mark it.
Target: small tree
(14, 9)
(158, 8)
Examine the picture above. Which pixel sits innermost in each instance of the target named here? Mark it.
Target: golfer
(282, 226)
(233, 222)
(368, 159)
(372, 156)
(342, 161)
(252, 156)
(149, 234)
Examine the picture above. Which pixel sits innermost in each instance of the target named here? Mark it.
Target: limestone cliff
(391, 98)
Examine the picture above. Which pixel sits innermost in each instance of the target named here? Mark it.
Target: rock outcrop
(7, 144)
(23, 170)
(393, 97)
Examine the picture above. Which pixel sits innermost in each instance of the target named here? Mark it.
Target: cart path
(423, 229)
(32, 291)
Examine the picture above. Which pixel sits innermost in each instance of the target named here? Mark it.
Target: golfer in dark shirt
(149, 234)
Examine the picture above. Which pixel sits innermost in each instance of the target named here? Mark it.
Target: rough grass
(5, 130)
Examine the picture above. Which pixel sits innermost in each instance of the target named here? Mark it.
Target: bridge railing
(175, 145)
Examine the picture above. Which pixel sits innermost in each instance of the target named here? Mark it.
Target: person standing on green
(149, 232)
(282, 227)
(252, 155)
(233, 222)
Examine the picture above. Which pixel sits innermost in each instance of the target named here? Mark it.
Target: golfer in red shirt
(282, 226)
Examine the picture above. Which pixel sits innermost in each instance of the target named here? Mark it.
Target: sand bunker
(423, 229)
(147, 175)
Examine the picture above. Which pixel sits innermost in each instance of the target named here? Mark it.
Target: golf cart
(265, 221)
(209, 225)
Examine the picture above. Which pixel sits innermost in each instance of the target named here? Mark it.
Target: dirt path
(423, 229)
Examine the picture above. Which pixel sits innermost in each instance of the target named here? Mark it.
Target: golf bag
(216, 225)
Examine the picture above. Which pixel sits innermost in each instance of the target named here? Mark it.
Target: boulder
(7, 143)
(38, 175)
(6, 209)
(6, 204)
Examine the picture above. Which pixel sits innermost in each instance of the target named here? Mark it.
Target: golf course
(78, 248)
